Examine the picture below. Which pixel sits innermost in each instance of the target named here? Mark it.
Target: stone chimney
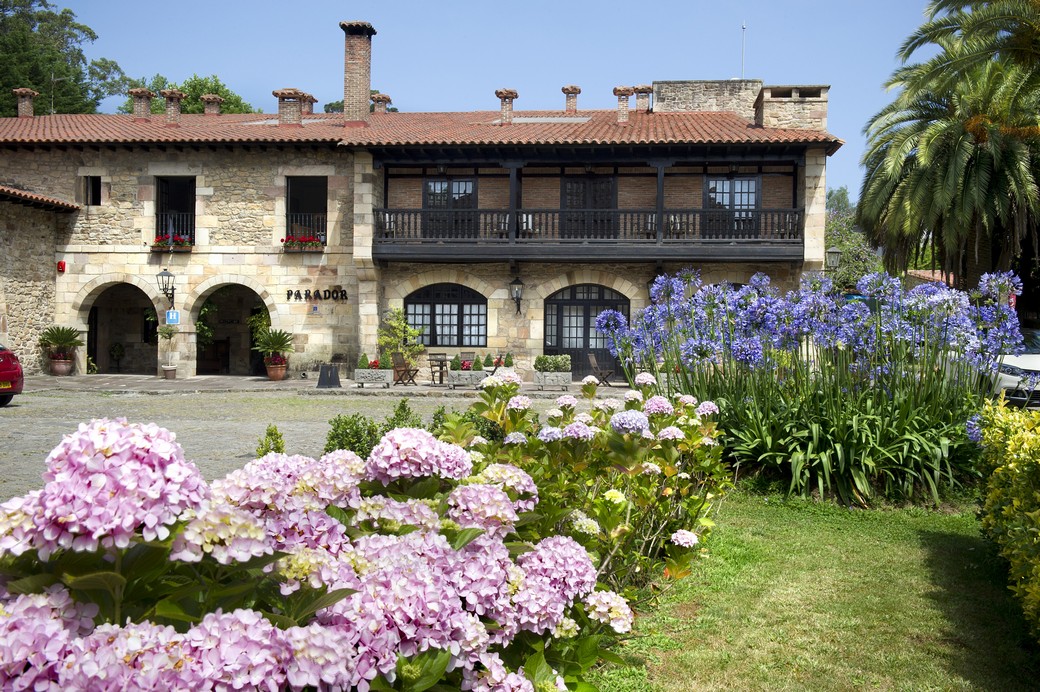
(643, 92)
(357, 70)
(796, 107)
(381, 101)
(622, 93)
(307, 104)
(25, 101)
(290, 107)
(142, 103)
(571, 91)
(173, 106)
(507, 96)
(211, 103)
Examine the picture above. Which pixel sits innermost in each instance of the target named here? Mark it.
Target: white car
(1019, 376)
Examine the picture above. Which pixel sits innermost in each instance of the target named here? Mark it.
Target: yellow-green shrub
(1011, 517)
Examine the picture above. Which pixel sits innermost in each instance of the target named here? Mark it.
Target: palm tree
(988, 29)
(953, 161)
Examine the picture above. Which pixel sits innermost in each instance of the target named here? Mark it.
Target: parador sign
(316, 294)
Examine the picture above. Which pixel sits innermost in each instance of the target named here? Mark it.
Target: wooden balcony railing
(307, 226)
(639, 226)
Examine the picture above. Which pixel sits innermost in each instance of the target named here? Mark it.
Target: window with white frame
(448, 315)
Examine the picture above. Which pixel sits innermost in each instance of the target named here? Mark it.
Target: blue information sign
(173, 317)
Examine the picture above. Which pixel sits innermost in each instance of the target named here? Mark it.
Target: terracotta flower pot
(61, 367)
(276, 372)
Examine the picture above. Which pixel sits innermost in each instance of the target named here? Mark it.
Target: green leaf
(537, 670)
(282, 622)
(171, 610)
(465, 537)
(34, 583)
(109, 582)
(303, 608)
(339, 515)
(423, 671)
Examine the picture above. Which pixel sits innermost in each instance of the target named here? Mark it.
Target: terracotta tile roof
(404, 129)
(10, 194)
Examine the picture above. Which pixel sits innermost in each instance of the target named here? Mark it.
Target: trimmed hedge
(1010, 462)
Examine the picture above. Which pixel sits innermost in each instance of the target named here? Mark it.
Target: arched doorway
(121, 331)
(224, 340)
(570, 324)
(449, 315)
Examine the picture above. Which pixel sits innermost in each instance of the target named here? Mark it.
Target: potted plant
(116, 352)
(166, 332)
(370, 372)
(61, 344)
(465, 373)
(552, 371)
(275, 344)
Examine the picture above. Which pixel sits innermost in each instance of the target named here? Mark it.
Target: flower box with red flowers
(302, 243)
(181, 243)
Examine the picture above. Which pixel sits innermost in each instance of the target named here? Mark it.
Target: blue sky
(453, 56)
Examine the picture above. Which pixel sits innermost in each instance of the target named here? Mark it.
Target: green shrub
(544, 363)
(362, 362)
(477, 364)
(271, 442)
(456, 363)
(356, 432)
(509, 360)
(402, 417)
(1011, 514)
(443, 420)
(488, 361)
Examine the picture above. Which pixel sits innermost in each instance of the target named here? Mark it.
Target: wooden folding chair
(601, 374)
(404, 373)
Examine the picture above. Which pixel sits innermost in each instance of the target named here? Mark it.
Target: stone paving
(218, 419)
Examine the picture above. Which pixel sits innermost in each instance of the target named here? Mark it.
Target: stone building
(444, 215)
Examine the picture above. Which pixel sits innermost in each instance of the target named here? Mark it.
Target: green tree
(950, 161)
(337, 106)
(194, 88)
(986, 29)
(41, 48)
(857, 255)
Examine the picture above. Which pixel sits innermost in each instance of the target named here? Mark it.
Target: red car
(11, 378)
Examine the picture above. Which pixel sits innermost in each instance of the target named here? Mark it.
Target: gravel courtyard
(218, 430)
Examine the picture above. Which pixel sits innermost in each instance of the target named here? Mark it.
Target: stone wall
(27, 270)
(736, 95)
(797, 107)
(523, 334)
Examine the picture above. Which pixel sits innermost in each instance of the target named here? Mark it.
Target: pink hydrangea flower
(645, 379)
(512, 479)
(658, 405)
(519, 403)
(142, 656)
(415, 453)
(610, 609)
(35, 633)
(110, 480)
(684, 538)
(484, 507)
(225, 532)
(707, 408)
(671, 433)
(238, 650)
(567, 401)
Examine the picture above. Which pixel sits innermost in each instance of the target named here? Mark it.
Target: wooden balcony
(590, 235)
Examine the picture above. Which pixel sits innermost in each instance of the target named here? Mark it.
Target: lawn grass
(797, 594)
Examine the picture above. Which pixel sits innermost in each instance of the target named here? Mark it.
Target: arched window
(570, 324)
(448, 314)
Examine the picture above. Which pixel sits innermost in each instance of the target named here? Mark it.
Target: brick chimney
(357, 70)
(381, 101)
(290, 107)
(173, 106)
(643, 92)
(507, 96)
(571, 91)
(142, 103)
(211, 103)
(25, 101)
(622, 93)
(307, 104)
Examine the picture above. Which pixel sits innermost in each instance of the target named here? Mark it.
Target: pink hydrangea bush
(629, 474)
(290, 573)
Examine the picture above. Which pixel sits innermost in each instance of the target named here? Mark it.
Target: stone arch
(396, 294)
(625, 287)
(198, 296)
(86, 295)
